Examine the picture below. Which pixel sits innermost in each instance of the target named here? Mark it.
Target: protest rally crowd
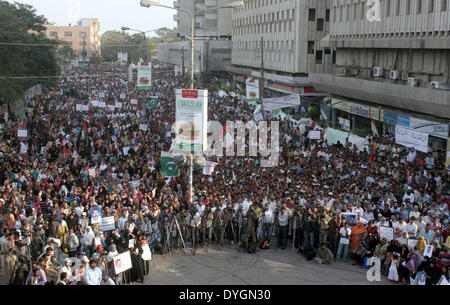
(78, 167)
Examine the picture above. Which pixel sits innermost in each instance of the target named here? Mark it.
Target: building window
(443, 5)
(311, 44)
(312, 14)
(430, 6)
(327, 51)
(327, 15)
(67, 34)
(397, 8)
(319, 57)
(320, 24)
(408, 7)
(363, 10)
(334, 57)
(83, 34)
(388, 7)
(53, 34)
(419, 7)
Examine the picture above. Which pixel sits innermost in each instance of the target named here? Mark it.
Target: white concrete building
(291, 30)
(401, 61)
(212, 32)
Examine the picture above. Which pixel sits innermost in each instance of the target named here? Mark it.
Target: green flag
(154, 102)
(168, 166)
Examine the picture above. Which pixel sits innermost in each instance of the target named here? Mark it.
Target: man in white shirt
(411, 228)
(283, 222)
(414, 213)
(344, 241)
(411, 155)
(420, 223)
(400, 223)
(93, 274)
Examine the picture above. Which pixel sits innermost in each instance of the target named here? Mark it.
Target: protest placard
(146, 254)
(125, 150)
(108, 223)
(122, 262)
(314, 135)
(22, 133)
(143, 127)
(386, 232)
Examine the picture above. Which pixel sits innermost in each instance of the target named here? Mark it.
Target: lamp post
(149, 3)
(124, 28)
(190, 159)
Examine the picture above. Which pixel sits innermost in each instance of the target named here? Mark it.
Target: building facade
(85, 35)
(212, 23)
(291, 31)
(401, 61)
(392, 64)
(212, 52)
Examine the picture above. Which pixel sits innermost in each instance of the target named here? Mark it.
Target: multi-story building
(396, 68)
(85, 35)
(213, 37)
(290, 31)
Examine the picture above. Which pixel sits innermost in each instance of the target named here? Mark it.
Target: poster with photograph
(96, 214)
(122, 262)
(352, 218)
(428, 251)
(443, 281)
(131, 243)
(386, 232)
(421, 278)
(144, 78)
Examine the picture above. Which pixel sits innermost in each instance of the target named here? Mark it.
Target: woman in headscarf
(421, 243)
(88, 241)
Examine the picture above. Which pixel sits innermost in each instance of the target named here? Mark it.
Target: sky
(113, 14)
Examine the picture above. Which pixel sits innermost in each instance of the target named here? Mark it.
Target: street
(227, 266)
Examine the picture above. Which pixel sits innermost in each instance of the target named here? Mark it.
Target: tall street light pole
(124, 28)
(149, 3)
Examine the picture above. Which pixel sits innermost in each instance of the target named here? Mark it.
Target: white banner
(411, 138)
(101, 105)
(108, 223)
(22, 133)
(252, 89)
(146, 253)
(314, 135)
(387, 232)
(144, 78)
(143, 127)
(135, 183)
(122, 262)
(79, 107)
(209, 167)
(85, 108)
(118, 105)
(122, 58)
(191, 114)
(292, 100)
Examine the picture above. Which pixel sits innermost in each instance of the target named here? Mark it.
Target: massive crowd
(331, 202)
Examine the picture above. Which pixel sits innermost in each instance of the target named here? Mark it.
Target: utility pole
(261, 79)
(182, 58)
(145, 48)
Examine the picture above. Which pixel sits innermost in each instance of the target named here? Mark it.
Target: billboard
(122, 58)
(252, 89)
(144, 76)
(191, 120)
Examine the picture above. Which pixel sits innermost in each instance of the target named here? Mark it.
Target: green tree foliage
(118, 41)
(95, 60)
(20, 24)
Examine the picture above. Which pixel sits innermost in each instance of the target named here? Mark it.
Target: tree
(20, 24)
(95, 60)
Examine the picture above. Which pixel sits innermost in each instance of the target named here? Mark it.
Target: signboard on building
(144, 77)
(252, 89)
(122, 58)
(411, 138)
(344, 123)
(191, 120)
(286, 101)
